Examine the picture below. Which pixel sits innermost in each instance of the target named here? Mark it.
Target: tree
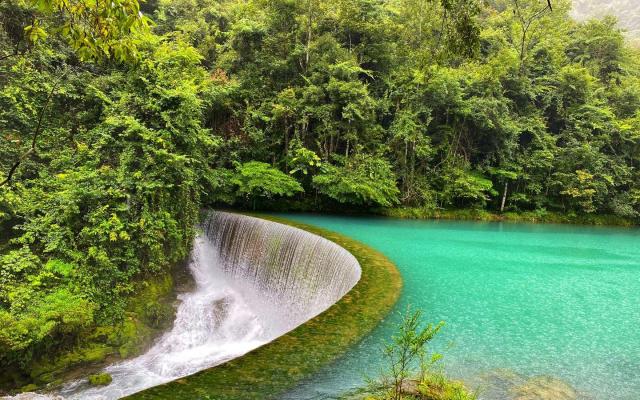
(598, 45)
(531, 21)
(360, 180)
(406, 349)
(257, 179)
(504, 176)
(95, 29)
(463, 187)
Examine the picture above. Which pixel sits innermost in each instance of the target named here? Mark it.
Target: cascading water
(290, 270)
(255, 280)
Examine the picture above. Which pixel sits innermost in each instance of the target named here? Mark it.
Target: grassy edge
(538, 217)
(279, 365)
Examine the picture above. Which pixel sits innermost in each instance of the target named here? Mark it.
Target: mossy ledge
(536, 217)
(149, 312)
(273, 368)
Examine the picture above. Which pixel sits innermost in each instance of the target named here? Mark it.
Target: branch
(36, 134)
(8, 56)
(16, 52)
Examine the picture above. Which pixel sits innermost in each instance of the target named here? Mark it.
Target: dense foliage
(113, 134)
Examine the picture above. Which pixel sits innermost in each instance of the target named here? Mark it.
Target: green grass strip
(273, 368)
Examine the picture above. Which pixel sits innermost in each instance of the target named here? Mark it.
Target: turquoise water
(519, 301)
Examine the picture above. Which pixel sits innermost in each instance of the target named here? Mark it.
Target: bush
(101, 379)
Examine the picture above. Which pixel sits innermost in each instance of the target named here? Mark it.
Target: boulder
(544, 388)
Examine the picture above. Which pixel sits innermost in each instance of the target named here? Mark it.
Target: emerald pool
(519, 300)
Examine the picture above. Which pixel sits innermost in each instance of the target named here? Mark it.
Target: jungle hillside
(120, 121)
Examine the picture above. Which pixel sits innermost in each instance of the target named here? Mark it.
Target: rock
(32, 396)
(100, 379)
(410, 387)
(497, 383)
(544, 388)
(503, 377)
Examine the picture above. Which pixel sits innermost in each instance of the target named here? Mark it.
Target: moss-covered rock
(29, 388)
(436, 386)
(149, 312)
(100, 379)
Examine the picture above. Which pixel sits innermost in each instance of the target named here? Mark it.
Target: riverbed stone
(32, 396)
(100, 379)
(544, 388)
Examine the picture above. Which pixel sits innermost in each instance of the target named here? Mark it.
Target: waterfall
(255, 281)
(299, 273)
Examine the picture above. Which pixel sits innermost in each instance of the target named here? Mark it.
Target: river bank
(542, 217)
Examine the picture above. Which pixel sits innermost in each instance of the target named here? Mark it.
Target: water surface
(519, 301)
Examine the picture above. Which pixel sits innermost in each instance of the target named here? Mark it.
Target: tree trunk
(308, 49)
(504, 196)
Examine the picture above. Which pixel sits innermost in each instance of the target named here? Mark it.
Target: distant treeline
(627, 12)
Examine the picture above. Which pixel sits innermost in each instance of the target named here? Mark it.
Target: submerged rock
(100, 379)
(497, 383)
(544, 388)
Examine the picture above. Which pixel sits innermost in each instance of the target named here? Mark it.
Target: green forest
(120, 121)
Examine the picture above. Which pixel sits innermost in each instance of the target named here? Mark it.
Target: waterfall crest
(300, 273)
(255, 281)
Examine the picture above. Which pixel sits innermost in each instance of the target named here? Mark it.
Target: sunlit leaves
(262, 180)
(95, 29)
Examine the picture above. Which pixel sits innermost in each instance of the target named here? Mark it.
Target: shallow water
(519, 301)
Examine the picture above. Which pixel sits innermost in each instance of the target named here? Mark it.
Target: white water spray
(255, 281)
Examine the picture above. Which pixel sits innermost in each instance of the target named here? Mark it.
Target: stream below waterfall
(214, 323)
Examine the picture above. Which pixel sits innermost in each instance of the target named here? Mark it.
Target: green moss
(100, 379)
(28, 388)
(48, 370)
(149, 306)
(142, 323)
(271, 369)
(437, 386)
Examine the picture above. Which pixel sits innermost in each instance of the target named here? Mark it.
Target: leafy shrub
(361, 180)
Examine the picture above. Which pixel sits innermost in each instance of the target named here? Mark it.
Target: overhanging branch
(36, 135)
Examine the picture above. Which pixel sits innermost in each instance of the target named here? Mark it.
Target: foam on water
(255, 280)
